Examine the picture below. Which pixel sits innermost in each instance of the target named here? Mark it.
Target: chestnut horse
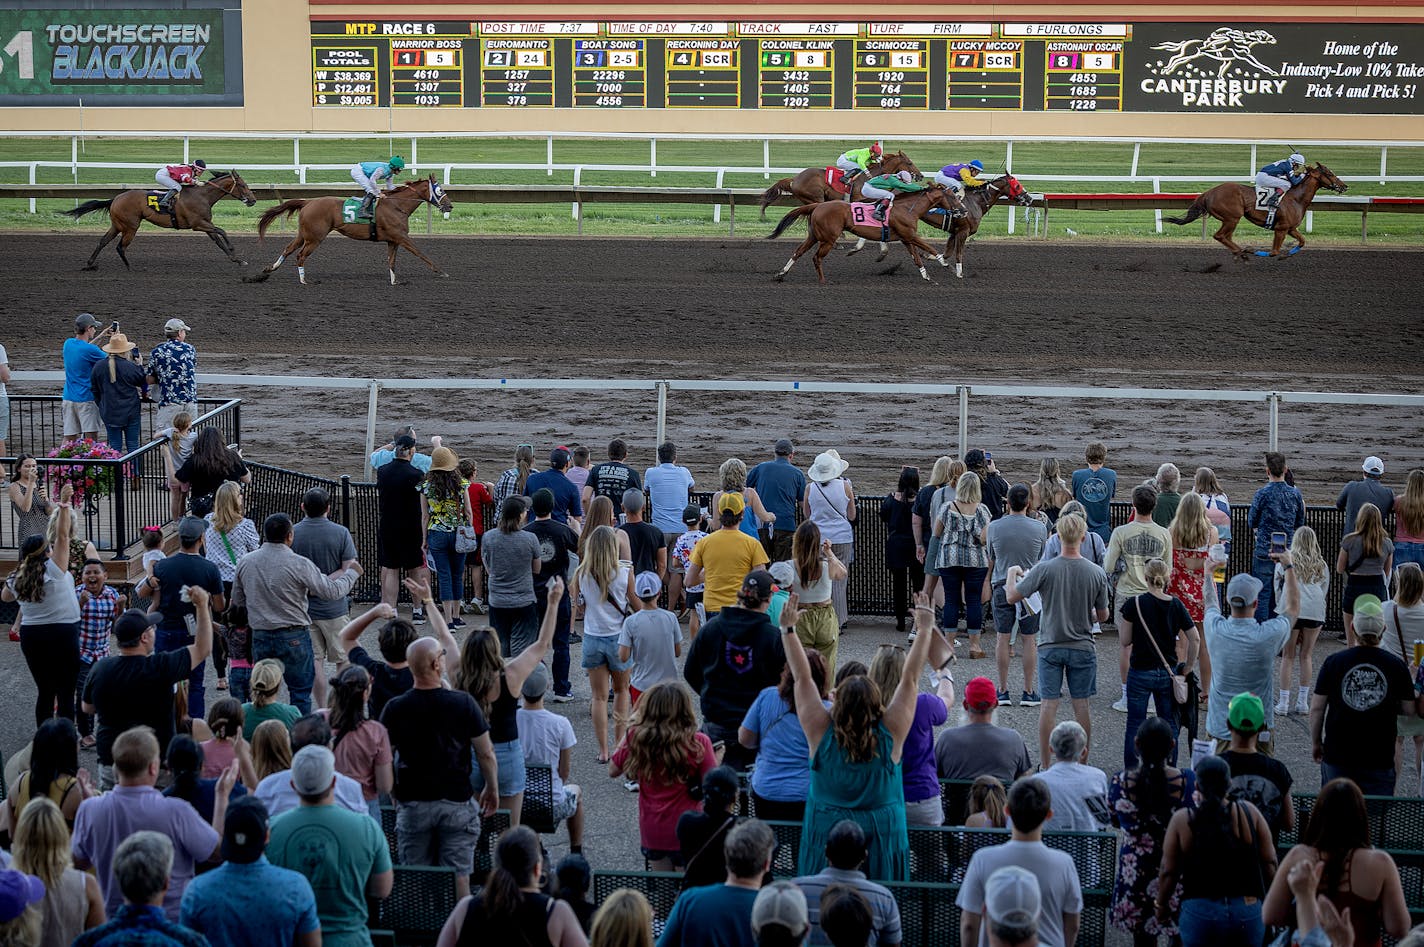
(192, 210)
(810, 187)
(1229, 203)
(829, 219)
(321, 216)
(977, 202)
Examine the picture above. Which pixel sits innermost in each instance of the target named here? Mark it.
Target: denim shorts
(1357, 585)
(1080, 667)
(1005, 615)
(510, 757)
(599, 651)
(439, 832)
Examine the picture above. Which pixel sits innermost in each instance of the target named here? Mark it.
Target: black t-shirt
(178, 570)
(430, 731)
(503, 722)
(204, 482)
(610, 479)
(644, 541)
(128, 691)
(1261, 780)
(1164, 620)
(1363, 688)
(995, 490)
(556, 541)
(387, 683)
(398, 499)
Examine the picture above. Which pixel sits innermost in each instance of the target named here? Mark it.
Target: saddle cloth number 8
(863, 215)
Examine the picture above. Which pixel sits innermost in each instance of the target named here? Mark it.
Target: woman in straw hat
(119, 385)
(830, 504)
(444, 508)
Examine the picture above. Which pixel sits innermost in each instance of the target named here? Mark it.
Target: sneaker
(563, 697)
(1030, 699)
(475, 606)
(575, 637)
(1283, 705)
(631, 785)
(1121, 705)
(1003, 698)
(1302, 705)
(457, 623)
(417, 616)
(1097, 628)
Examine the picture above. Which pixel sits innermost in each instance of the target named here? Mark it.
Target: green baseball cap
(1246, 713)
(1369, 605)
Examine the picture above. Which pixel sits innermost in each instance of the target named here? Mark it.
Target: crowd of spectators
(255, 817)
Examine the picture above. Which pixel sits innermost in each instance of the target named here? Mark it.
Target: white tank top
(828, 502)
(818, 591)
(603, 618)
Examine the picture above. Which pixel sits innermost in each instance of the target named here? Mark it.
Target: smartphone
(988, 456)
(1278, 542)
(719, 746)
(114, 326)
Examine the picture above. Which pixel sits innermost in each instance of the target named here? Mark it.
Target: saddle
(351, 214)
(836, 180)
(155, 204)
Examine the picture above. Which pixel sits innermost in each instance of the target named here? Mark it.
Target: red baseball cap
(980, 694)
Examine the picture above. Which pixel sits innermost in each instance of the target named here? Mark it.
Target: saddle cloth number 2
(1263, 197)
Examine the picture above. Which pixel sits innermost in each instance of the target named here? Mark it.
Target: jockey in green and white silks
(883, 187)
(369, 175)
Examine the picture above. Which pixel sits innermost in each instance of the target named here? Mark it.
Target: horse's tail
(286, 207)
(1195, 211)
(88, 207)
(791, 217)
(1173, 47)
(771, 194)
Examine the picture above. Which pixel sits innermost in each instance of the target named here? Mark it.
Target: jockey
(369, 175)
(174, 177)
(859, 161)
(1281, 177)
(883, 187)
(957, 177)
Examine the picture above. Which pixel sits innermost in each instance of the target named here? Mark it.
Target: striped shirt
(884, 912)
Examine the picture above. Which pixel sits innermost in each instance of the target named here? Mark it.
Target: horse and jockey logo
(1218, 72)
(1225, 46)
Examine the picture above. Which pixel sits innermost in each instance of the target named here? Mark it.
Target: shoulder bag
(1179, 681)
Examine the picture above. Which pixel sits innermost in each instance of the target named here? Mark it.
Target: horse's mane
(408, 186)
(219, 175)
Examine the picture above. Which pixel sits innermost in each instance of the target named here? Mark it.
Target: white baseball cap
(1011, 896)
(176, 325)
(1373, 465)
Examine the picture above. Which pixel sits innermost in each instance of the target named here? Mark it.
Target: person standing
(781, 485)
(669, 488)
(1368, 489)
(962, 557)
(81, 354)
(444, 510)
(385, 454)
(173, 366)
(4, 401)
(1166, 483)
(1366, 560)
(1277, 510)
(1130, 548)
(907, 574)
(100, 605)
(1151, 624)
(992, 486)
(186, 568)
(567, 508)
(398, 538)
(1015, 540)
(612, 478)
(1095, 486)
(274, 584)
(556, 543)
(648, 549)
(1261, 779)
(512, 556)
(330, 547)
(722, 561)
(1408, 519)
(1359, 696)
(579, 468)
(830, 504)
(119, 385)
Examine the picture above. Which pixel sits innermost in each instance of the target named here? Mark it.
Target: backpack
(1261, 793)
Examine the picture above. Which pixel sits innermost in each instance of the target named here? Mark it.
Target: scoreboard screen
(926, 65)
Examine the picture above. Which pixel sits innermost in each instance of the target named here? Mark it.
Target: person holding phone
(1277, 511)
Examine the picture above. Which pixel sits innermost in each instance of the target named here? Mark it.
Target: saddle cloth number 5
(348, 211)
(1263, 197)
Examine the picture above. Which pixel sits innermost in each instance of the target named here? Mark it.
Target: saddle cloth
(863, 215)
(835, 177)
(1263, 197)
(351, 210)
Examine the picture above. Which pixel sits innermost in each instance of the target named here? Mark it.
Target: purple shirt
(917, 758)
(103, 822)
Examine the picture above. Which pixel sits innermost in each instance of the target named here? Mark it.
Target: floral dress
(1186, 581)
(1134, 903)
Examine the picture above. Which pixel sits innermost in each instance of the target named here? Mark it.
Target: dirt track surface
(1032, 313)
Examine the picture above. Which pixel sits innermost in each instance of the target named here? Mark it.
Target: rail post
(766, 159)
(1310, 221)
(32, 182)
(578, 175)
(717, 208)
(1251, 171)
(963, 419)
(1384, 163)
(1157, 214)
(74, 156)
(414, 154)
(732, 215)
(662, 412)
(1136, 153)
(653, 157)
(549, 155)
(296, 150)
(186, 142)
(373, 398)
(1364, 224)
(1009, 156)
(1273, 400)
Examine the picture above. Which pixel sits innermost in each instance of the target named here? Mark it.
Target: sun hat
(443, 458)
(828, 466)
(118, 344)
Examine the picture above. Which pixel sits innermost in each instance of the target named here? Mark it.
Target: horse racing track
(1166, 315)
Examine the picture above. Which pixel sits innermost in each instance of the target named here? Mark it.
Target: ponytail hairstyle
(524, 463)
(1156, 571)
(225, 718)
(1213, 816)
(518, 861)
(1151, 792)
(987, 795)
(185, 761)
(348, 701)
(511, 513)
(30, 573)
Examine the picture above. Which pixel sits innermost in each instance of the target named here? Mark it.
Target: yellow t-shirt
(726, 557)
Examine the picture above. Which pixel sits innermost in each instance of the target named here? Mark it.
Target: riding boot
(368, 205)
(166, 202)
(882, 210)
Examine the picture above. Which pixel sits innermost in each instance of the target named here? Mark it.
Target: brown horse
(810, 187)
(1228, 203)
(193, 210)
(829, 219)
(321, 216)
(977, 203)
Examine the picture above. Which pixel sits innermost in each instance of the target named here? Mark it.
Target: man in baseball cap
(567, 507)
(1265, 781)
(780, 904)
(1012, 903)
(173, 366)
(1368, 489)
(81, 353)
(780, 484)
(979, 747)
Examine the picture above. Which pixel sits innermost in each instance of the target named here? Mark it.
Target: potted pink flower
(90, 481)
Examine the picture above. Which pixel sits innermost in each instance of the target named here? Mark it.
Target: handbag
(466, 540)
(1179, 681)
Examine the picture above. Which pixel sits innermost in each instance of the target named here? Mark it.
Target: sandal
(604, 760)
(87, 743)
(977, 653)
(222, 683)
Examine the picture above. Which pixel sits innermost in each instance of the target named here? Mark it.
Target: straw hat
(443, 458)
(828, 466)
(118, 344)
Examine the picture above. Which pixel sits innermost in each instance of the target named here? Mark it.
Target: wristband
(1288, 565)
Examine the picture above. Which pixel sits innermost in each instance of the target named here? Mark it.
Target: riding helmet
(200, 163)
(397, 162)
(1298, 158)
(977, 165)
(875, 147)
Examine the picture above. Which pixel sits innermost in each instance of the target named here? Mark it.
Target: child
(784, 574)
(152, 553)
(225, 718)
(238, 636)
(548, 740)
(99, 604)
(266, 682)
(696, 522)
(987, 799)
(181, 437)
(650, 637)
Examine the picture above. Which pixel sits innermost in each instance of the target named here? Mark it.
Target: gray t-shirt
(1357, 563)
(653, 634)
(60, 604)
(508, 559)
(981, 749)
(1015, 541)
(327, 544)
(1073, 590)
(1080, 797)
(1058, 888)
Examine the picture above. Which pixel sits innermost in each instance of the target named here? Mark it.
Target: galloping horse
(1228, 203)
(193, 210)
(810, 187)
(390, 223)
(977, 202)
(830, 219)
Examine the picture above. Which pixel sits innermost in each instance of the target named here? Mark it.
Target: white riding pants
(954, 184)
(871, 193)
(164, 178)
(358, 174)
(1270, 180)
(847, 165)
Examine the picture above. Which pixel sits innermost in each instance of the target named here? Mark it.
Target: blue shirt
(1243, 658)
(375, 170)
(669, 487)
(382, 457)
(1095, 490)
(566, 495)
(714, 916)
(1276, 508)
(781, 485)
(783, 770)
(141, 926)
(253, 905)
(79, 359)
